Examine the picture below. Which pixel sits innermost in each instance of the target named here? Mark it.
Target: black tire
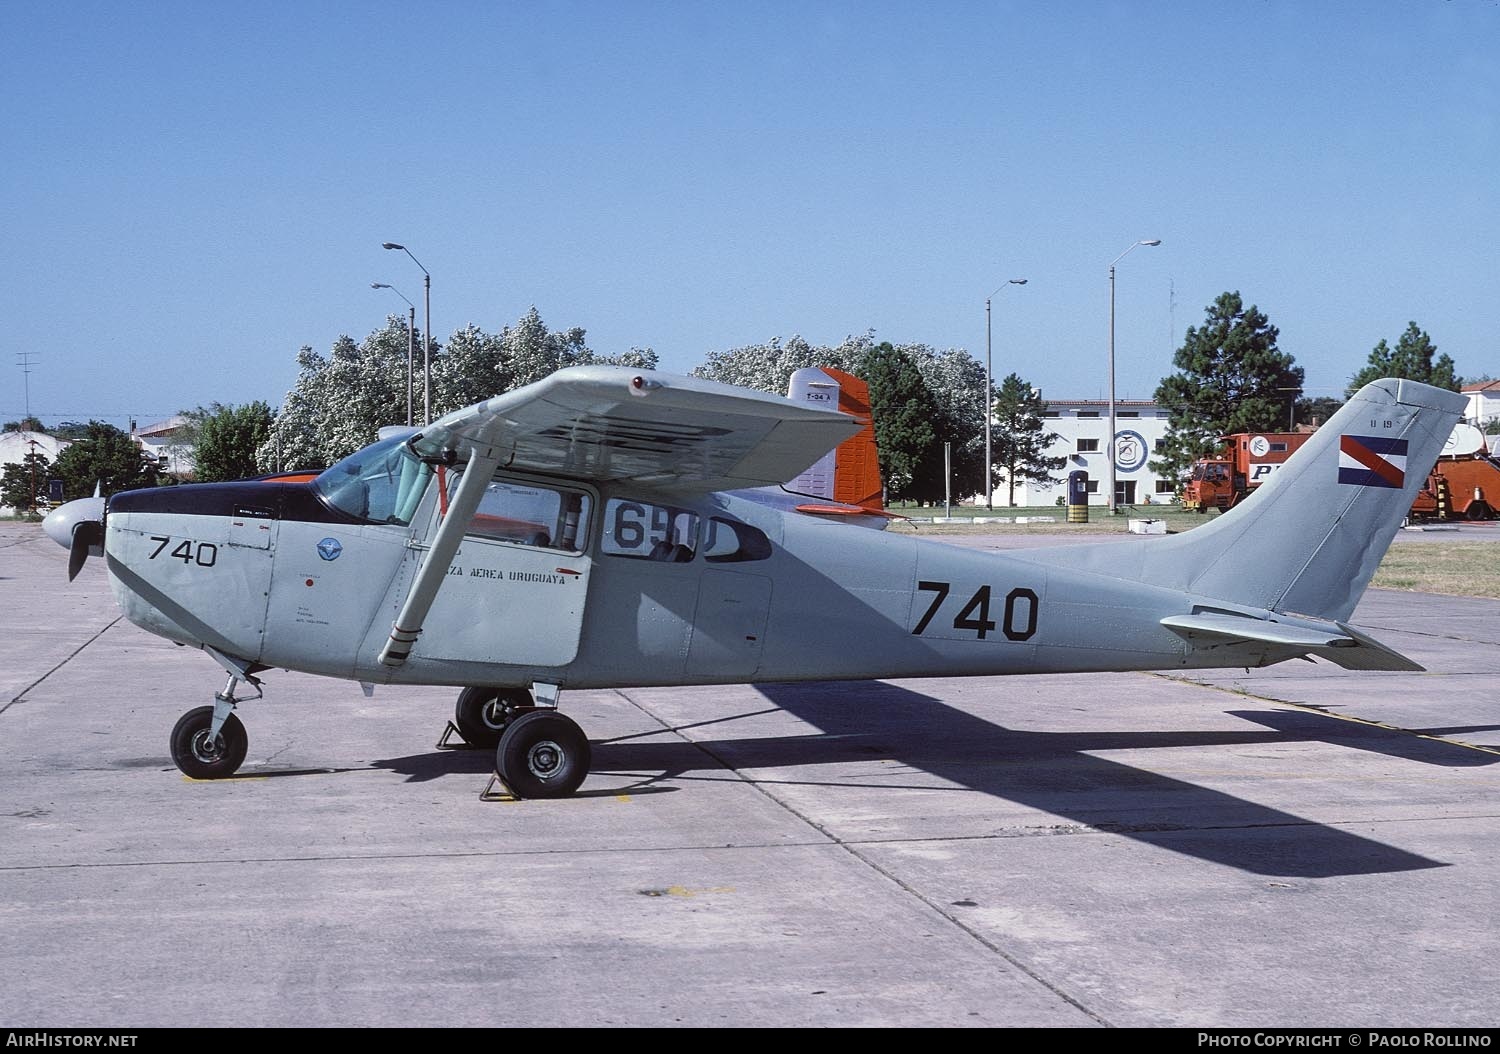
(543, 755)
(1478, 510)
(202, 760)
(482, 714)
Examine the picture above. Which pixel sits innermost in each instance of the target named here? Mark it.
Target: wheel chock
(497, 790)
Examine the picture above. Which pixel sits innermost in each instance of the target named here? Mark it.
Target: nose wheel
(543, 754)
(209, 742)
(203, 754)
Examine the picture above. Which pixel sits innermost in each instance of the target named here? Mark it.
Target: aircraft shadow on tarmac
(1413, 744)
(1054, 772)
(475, 761)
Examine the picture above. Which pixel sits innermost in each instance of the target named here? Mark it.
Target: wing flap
(610, 423)
(1334, 641)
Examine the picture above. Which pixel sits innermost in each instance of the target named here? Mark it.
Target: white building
(14, 446)
(163, 443)
(1484, 402)
(1082, 426)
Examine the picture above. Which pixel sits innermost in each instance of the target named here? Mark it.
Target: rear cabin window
(529, 514)
(730, 542)
(644, 531)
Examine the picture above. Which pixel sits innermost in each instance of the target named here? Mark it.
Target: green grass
(1099, 522)
(1464, 569)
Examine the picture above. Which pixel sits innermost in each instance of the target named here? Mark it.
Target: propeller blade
(87, 535)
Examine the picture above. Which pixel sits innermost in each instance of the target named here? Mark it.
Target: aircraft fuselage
(654, 589)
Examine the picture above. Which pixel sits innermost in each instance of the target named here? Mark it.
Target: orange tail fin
(850, 473)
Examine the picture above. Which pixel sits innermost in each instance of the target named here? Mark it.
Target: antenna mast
(26, 359)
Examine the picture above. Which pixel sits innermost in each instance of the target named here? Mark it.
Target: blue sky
(192, 192)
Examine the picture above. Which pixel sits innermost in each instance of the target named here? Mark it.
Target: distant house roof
(1103, 403)
(161, 429)
(1482, 386)
(14, 446)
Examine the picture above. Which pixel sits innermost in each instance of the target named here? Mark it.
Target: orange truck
(1463, 485)
(1247, 460)
(1465, 482)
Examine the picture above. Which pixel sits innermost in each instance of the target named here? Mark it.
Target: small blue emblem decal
(329, 548)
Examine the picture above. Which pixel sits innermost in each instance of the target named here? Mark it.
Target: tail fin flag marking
(1372, 461)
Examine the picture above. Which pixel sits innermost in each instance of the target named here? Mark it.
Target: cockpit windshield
(382, 483)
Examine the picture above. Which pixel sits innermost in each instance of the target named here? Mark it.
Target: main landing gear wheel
(482, 714)
(204, 759)
(543, 755)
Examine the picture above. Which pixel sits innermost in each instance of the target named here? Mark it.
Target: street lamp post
(989, 391)
(427, 341)
(410, 343)
(1291, 410)
(1109, 442)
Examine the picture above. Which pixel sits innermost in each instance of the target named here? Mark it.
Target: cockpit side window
(645, 531)
(531, 514)
(382, 483)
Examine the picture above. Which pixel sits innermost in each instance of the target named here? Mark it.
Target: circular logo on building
(1130, 451)
(1260, 446)
(329, 548)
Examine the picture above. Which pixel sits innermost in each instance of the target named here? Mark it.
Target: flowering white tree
(769, 367)
(339, 402)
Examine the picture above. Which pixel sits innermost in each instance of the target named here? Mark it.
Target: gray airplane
(606, 527)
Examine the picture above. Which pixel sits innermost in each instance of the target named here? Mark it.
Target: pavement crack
(71, 656)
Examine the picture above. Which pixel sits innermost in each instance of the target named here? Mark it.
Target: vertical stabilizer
(1308, 541)
(849, 473)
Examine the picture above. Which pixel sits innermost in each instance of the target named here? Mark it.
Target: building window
(1088, 413)
(1088, 446)
(1166, 486)
(1128, 413)
(1091, 487)
(1051, 413)
(1161, 446)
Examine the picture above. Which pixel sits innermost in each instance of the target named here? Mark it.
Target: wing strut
(408, 625)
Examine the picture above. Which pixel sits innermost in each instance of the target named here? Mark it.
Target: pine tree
(1019, 437)
(904, 413)
(1231, 378)
(1415, 358)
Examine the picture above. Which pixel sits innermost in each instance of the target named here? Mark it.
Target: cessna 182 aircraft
(607, 527)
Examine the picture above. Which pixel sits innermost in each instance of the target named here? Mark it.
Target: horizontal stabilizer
(1333, 641)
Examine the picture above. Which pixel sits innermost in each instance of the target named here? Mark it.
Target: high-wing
(667, 431)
